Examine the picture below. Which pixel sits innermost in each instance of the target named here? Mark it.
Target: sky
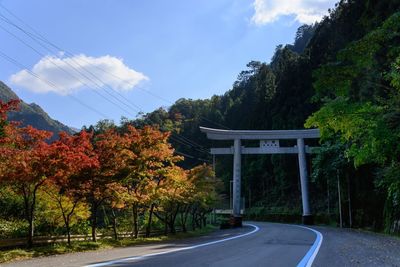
(83, 61)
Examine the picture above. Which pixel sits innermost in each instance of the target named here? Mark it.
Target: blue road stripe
(308, 259)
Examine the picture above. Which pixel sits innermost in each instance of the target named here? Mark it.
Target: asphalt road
(265, 244)
(268, 245)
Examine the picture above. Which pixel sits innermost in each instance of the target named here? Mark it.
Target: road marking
(309, 258)
(256, 228)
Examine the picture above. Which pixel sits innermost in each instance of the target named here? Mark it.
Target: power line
(129, 105)
(37, 37)
(60, 68)
(189, 156)
(42, 38)
(15, 62)
(192, 144)
(68, 63)
(179, 139)
(18, 64)
(201, 150)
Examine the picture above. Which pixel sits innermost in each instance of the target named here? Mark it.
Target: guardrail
(227, 211)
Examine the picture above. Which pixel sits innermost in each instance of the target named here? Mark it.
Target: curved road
(263, 244)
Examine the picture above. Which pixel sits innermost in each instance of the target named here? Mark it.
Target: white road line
(106, 263)
(309, 258)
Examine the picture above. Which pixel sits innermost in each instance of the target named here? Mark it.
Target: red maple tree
(28, 162)
(102, 182)
(71, 155)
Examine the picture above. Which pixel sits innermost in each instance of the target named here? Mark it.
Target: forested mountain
(32, 114)
(341, 75)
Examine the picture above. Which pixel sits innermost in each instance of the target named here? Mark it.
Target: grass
(80, 246)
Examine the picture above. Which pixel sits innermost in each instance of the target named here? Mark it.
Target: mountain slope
(32, 114)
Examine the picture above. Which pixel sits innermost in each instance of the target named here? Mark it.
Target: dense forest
(341, 75)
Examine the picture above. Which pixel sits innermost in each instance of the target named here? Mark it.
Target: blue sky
(173, 49)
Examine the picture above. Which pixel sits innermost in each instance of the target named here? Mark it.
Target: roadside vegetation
(107, 179)
(81, 246)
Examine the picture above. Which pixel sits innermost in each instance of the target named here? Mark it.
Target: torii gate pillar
(237, 158)
(307, 216)
(269, 144)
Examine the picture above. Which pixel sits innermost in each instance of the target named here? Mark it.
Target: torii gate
(269, 144)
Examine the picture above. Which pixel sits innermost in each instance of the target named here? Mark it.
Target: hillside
(32, 114)
(340, 75)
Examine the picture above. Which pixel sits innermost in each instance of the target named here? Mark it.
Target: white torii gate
(269, 144)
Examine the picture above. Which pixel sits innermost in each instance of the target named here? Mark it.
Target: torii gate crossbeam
(269, 144)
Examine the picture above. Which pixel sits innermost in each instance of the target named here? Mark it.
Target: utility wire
(48, 42)
(36, 35)
(41, 37)
(66, 71)
(180, 139)
(16, 63)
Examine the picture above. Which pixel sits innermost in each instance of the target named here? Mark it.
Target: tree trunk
(114, 224)
(194, 221)
(172, 226)
(135, 220)
(29, 215)
(183, 224)
(185, 218)
(173, 219)
(68, 233)
(30, 231)
(340, 201)
(166, 224)
(94, 222)
(94, 228)
(349, 196)
(148, 228)
(328, 198)
(198, 221)
(172, 229)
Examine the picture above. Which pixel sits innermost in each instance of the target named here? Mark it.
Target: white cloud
(304, 11)
(70, 74)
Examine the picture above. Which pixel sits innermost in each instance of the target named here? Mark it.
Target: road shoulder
(85, 258)
(346, 247)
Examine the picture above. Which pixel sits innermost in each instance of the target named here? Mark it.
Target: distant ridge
(32, 114)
